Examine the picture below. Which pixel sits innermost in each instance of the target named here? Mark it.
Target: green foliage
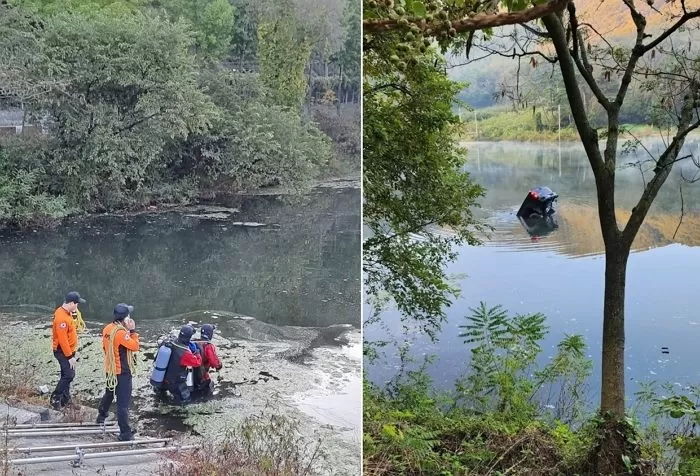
(244, 39)
(135, 110)
(128, 85)
(282, 69)
(502, 376)
(23, 199)
(109, 7)
(349, 55)
(211, 22)
(520, 125)
(410, 430)
(672, 437)
(252, 142)
(414, 185)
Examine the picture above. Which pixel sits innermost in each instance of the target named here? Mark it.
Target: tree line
(132, 102)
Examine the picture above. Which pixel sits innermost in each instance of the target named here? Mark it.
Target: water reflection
(301, 268)
(529, 276)
(539, 226)
(508, 170)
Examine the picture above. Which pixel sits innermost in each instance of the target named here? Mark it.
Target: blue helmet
(207, 332)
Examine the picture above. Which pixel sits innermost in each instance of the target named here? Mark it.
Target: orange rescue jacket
(64, 334)
(123, 341)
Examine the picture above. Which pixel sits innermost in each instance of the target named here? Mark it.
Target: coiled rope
(111, 358)
(79, 322)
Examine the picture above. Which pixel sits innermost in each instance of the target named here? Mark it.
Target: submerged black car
(539, 202)
(539, 226)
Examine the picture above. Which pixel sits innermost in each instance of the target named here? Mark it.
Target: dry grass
(266, 444)
(19, 384)
(76, 412)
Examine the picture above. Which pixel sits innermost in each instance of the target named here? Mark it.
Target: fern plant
(502, 375)
(504, 347)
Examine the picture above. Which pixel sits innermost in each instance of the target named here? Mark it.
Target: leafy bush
(502, 375)
(127, 85)
(252, 143)
(136, 110)
(24, 199)
(672, 436)
(496, 420)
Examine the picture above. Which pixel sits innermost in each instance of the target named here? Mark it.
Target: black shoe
(126, 436)
(100, 420)
(56, 404)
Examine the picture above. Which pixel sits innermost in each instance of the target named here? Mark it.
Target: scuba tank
(160, 365)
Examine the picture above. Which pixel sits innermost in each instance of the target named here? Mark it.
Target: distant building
(11, 121)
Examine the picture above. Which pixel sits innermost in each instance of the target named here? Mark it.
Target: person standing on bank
(120, 342)
(65, 347)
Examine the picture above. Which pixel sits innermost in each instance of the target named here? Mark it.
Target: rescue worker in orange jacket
(210, 359)
(65, 347)
(120, 342)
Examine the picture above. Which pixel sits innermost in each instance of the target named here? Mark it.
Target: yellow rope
(79, 322)
(111, 362)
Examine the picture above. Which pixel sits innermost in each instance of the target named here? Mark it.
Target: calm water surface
(298, 265)
(558, 269)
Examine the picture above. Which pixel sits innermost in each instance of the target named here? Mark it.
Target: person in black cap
(185, 356)
(65, 347)
(120, 342)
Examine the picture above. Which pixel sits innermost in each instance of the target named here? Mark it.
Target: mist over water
(558, 268)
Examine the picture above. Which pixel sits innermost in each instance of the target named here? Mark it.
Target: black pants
(123, 392)
(61, 395)
(180, 392)
(204, 389)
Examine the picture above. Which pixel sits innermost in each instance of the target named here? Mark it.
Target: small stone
(43, 389)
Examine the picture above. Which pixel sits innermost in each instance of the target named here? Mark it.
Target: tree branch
(535, 31)
(663, 167)
(581, 60)
(477, 22)
(681, 21)
(680, 220)
(640, 23)
(589, 136)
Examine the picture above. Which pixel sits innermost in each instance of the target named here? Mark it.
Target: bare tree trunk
(612, 397)
(338, 96)
(24, 118)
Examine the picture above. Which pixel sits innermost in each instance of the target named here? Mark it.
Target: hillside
(492, 80)
(612, 17)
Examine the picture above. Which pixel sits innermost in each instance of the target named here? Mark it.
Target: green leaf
(390, 430)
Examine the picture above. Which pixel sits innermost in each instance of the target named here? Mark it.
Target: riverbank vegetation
(528, 125)
(516, 413)
(599, 81)
(267, 444)
(115, 105)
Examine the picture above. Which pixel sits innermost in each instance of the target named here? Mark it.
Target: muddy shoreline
(311, 375)
(217, 205)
